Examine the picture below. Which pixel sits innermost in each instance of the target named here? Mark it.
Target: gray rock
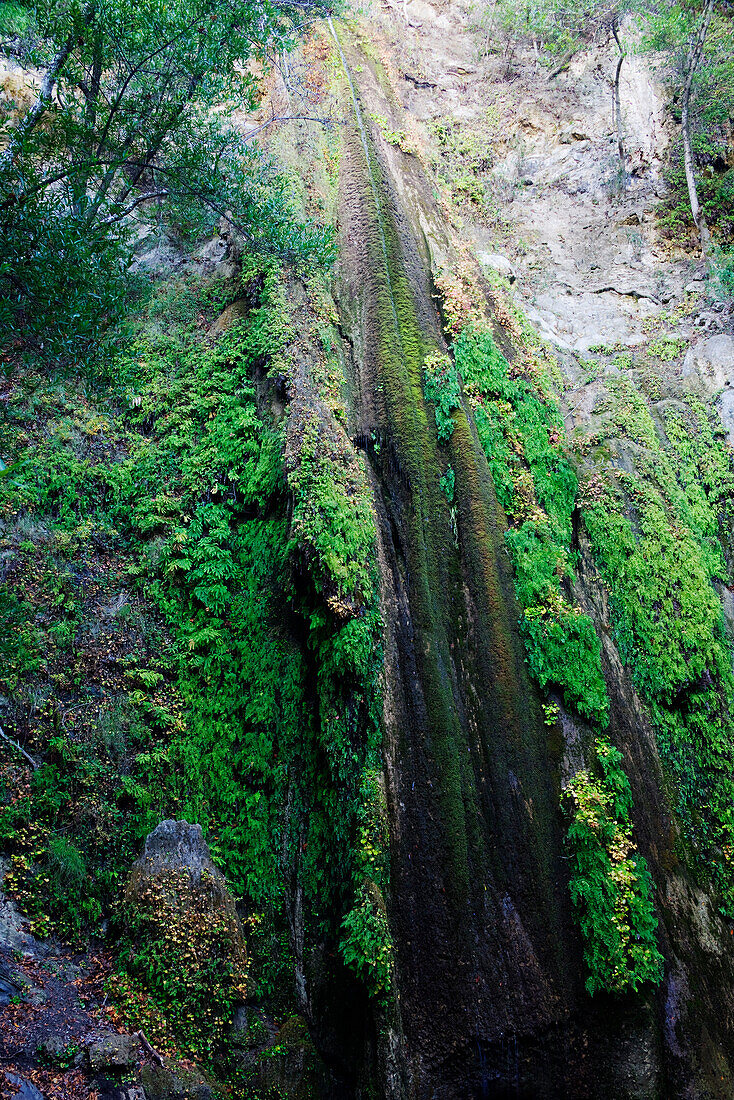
(239, 1028)
(497, 263)
(710, 363)
(9, 986)
(112, 1052)
(13, 936)
(175, 845)
(54, 1048)
(727, 603)
(34, 995)
(725, 405)
(24, 1090)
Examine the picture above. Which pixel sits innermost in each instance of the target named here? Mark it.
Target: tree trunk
(617, 98)
(692, 62)
(91, 94)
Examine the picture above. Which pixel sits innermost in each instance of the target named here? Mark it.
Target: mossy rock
(289, 1067)
(183, 936)
(173, 1081)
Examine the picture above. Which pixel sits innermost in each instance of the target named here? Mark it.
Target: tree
(693, 60)
(131, 119)
(695, 41)
(616, 97)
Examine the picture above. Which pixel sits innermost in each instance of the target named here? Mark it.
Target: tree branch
(34, 764)
(31, 118)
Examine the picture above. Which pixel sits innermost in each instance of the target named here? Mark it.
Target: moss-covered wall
(487, 941)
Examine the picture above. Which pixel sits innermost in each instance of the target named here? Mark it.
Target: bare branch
(34, 764)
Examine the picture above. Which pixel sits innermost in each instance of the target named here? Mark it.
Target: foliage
(240, 654)
(15, 19)
(448, 484)
(520, 430)
(184, 943)
(366, 944)
(610, 883)
(136, 134)
(676, 509)
(560, 27)
(442, 387)
(464, 167)
(669, 30)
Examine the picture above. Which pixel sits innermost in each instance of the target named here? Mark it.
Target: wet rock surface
(492, 998)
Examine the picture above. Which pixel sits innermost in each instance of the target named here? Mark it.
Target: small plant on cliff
(442, 387)
(366, 943)
(610, 883)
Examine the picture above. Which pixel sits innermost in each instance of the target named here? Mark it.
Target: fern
(610, 884)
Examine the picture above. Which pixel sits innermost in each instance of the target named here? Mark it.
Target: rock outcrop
(184, 937)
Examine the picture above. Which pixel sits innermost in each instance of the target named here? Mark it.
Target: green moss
(401, 349)
(656, 539)
(520, 430)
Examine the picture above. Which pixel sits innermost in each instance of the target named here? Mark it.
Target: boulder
(172, 1081)
(58, 1050)
(498, 263)
(175, 846)
(112, 1052)
(232, 315)
(182, 935)
(13, 935)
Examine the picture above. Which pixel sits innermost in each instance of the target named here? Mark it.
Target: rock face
(711, 363)
(709, 367)
(491, 990)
